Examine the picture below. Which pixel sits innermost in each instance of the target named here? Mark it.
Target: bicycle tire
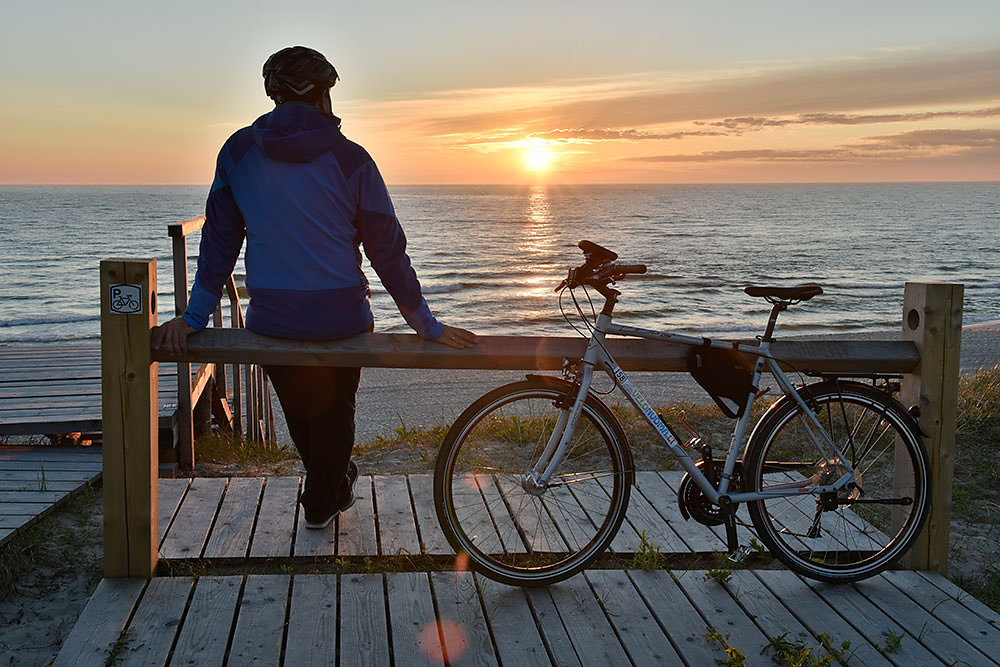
(537, 538)
(854, 536)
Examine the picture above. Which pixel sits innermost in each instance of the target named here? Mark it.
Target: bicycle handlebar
(599, 269)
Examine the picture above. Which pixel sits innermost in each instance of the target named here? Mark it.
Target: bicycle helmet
(297, 73)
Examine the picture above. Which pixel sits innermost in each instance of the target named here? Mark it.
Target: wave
(35, 321)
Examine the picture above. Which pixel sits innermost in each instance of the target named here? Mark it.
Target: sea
(490, 257)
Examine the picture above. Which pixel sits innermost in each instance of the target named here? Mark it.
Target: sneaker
(320, 520)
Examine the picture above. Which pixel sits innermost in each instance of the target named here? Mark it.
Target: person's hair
(298, 73)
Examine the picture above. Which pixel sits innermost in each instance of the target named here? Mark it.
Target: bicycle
(533, 480)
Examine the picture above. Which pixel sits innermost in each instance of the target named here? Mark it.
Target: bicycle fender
(594, 401)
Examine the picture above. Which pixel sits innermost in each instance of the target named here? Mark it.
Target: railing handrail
(185, 227)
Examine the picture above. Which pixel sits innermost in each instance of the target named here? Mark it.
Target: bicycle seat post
(776, 307)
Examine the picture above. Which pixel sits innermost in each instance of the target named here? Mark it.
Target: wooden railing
(246, 407)
(928, 358)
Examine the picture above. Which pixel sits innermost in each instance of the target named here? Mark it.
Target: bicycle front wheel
(857, 532)
(491, 510)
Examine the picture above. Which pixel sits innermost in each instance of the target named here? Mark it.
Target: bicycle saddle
(800, 293)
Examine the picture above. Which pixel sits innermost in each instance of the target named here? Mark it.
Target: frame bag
(725, 374)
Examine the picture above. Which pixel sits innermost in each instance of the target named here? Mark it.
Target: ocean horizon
(702, 243)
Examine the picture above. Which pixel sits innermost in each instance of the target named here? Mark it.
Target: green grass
(223, 447)
(977, 448)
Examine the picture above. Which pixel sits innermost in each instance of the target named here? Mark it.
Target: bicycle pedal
(741, 554)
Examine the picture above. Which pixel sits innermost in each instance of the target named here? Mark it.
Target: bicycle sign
(126, 299)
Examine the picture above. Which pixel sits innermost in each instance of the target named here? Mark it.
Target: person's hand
(173, 336)
(455, 337)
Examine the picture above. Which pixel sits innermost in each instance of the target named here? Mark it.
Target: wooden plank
(276, 518)
(30, 497)
(432, 540)
(644, 640)
(988, 614)
(396, 526)
(698, 537)
(460, 616)
(932, 320)
(39, 475)
(152, 629)
(363, 627)
(312, 621)
(533, 519)
(171, 491)
(356, 526)
(675, 614)
(12, 521)
(100, 623)
(875, 625)
(589, 629)
(24, 508)
(415, 637)
(716, 605)
(818, 617)
(558, 642)
(209, 619)
(312, 542)
(475, 499)
(518, 352)
(920, 625)
(6, 533)
(187, 535)
(767, 611)
(94, 467)
(644, 521)
(512, 624)
(260, 621)
(576, 528)
(230, 536)
(130, 422)
(13, 486)
(960, 619)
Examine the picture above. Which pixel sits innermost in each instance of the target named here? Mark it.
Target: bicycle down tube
(597, 356)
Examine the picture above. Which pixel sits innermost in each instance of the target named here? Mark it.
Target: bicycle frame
(597, 356)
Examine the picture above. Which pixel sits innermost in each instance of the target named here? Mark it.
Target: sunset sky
(516, 92)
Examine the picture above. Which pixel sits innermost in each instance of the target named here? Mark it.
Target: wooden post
(932, 319)
(129, 413)
(185, 420)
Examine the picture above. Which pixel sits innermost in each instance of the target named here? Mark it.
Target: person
(306, 199)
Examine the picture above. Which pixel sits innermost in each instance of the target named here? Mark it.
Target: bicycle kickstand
(737, 553)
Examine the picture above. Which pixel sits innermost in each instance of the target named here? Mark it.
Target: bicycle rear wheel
(854, 533)
(488, 507)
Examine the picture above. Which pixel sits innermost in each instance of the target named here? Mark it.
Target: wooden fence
(927, 356)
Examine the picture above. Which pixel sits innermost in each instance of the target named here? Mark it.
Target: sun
(538, 156)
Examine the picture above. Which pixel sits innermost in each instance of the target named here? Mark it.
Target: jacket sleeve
(385, 247)
(221, 241)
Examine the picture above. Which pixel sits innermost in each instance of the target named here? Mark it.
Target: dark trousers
(318, 403)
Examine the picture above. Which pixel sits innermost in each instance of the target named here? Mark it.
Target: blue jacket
(305, 198)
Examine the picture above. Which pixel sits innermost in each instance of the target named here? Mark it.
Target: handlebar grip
(631, 268)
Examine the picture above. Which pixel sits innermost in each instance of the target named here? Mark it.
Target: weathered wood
(643, 520)
(592, 635)
(640, 634)
(432, 540)
(557, 640)
(261, 618)
(152, 630)
(276, 518)
(921, 626)
(130, 421)
(171, 492)
(356, 526)
(512, 624)
(101, 623)
(363, 628)
(397, 529)
(714, 602)
(460, 616)
(187, 535)
(819, 617)
(766, 610)
(312, 621)
(209, 619)
(932, 321)
(662, 495)
(186, 227)
(519, 352)
(415, 638)
(230, 536)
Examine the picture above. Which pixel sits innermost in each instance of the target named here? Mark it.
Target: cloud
(756, 123)
(918, 143)
(828, 92)
(587, 135)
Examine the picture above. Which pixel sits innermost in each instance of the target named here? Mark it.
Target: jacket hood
(296, 132)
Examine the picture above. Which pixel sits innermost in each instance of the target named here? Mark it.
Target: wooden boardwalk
(57, 389)
(301, 608)
(215, 518)
(604, 617)
(33, 480)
